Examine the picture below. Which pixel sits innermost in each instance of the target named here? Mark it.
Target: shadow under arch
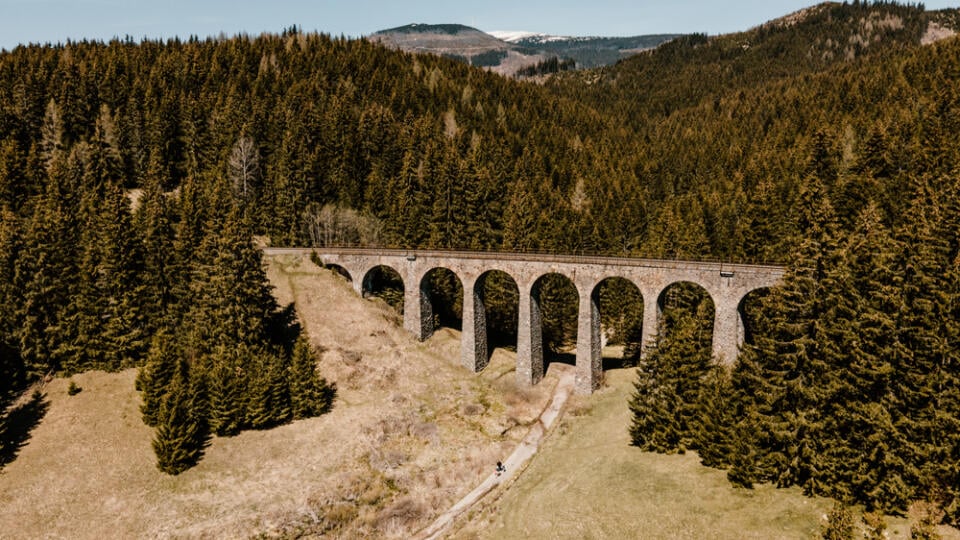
(555, 304)
(620, 305)
(751, 315)
(340, 271)
(441, 297)
(385, 283)
(687, 312)
(496, 304)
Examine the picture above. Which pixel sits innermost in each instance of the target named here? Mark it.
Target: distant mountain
(510, 53)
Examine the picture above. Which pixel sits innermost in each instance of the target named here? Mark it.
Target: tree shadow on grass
(17, 425)
(617, 362)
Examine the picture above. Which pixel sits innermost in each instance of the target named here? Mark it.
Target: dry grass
(588, 482)
(410, 433)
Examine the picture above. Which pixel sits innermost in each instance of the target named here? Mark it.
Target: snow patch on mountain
(516, 36)
(511, 36)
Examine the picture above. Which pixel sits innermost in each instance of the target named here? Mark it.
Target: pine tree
(779, 377)
(182, 435)
(268, 392)
(309, 392)
(155, 377)
(226, 391)
(665, 403)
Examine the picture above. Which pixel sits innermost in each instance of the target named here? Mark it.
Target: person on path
(500, 468)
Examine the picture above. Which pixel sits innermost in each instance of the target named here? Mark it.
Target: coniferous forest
(135, 175)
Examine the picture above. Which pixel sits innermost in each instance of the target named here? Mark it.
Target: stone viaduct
(727, 284)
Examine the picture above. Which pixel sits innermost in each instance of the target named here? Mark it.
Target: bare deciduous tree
(331, 225)
(244, 166)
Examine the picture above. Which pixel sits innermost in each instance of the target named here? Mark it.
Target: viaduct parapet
(727, 284)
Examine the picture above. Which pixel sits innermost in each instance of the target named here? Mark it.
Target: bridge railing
(535, 255)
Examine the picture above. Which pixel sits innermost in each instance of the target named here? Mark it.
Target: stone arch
(490, 307)
(441, 299)
(663, 297)
(620, 308)
(748, 314)
(554, 303)
(682, 298)
(386, 283)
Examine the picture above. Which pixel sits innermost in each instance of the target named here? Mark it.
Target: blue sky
(42, 21)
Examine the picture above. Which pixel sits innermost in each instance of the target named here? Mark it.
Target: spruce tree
(12, 372)
(226, 390)
(925, 385)
(665, 402)
(268, 393)
(310, 394)
(780, 376)
(47, 266)
(154, 222)
(181, 435)
(156, 376)
(860, 341)
(120, 283)
(713, 426)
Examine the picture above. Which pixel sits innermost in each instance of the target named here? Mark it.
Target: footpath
(514, 463)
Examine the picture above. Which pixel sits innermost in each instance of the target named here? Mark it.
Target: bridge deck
(675, 264)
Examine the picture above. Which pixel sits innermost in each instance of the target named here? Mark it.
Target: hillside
(509, 56)
(812, 40)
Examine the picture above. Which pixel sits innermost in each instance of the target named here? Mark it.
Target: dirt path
(514, 463)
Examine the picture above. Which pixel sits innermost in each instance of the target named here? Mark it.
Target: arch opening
(557, 301)
(620, 304)
(685, 327)
(500, 296)
(385, 283)
(443, 291)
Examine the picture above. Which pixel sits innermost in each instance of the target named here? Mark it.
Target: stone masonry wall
(727, 284)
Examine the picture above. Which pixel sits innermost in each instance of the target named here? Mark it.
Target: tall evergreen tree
(780, 376)
(667, 393)
(310, 393)
(154, 379)
(182, 435)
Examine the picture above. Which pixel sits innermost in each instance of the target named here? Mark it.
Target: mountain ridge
(509, 53)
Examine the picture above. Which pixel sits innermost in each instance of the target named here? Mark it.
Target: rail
(535, 257)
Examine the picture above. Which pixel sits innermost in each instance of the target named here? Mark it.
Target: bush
(839, 524)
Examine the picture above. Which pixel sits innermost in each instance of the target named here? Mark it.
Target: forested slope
(825, 140)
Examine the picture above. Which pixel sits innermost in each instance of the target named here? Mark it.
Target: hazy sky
(42, 21)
